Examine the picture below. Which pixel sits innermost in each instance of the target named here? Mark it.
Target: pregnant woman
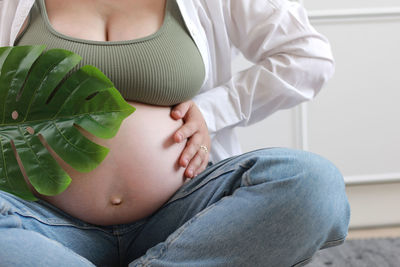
(152, 201)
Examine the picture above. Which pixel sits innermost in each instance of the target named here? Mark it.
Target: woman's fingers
(192, 146)
(194, 129)
(186, 130)
(203, 164)
(191, 123)
(180, 110)
(197, 164)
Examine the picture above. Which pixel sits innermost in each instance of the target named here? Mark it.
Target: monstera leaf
(40, 100)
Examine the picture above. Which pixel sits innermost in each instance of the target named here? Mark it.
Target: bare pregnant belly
(137, 177)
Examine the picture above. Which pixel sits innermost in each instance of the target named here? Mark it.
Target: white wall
(355, 120)
(346, 4)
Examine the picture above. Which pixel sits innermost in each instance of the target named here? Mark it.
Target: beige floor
(374, 233)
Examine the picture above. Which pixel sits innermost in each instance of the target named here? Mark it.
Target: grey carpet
(383, 252)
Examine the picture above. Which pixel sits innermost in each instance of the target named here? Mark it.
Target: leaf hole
(59, 160)
(21, 90)
(91, 96)
(53, 93)
(14, 115)
(20, 165)
(30, 130)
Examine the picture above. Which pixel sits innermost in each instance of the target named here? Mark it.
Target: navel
(116, 201)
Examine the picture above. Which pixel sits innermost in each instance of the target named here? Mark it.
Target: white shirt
(291, 60)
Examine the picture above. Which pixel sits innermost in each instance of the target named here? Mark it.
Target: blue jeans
(270, 207)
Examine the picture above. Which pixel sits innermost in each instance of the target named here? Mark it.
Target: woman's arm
(291, 61)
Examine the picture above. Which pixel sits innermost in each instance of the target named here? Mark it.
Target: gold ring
(204, 148)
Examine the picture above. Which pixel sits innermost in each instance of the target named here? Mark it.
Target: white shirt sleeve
(13, 14)
(291, 63)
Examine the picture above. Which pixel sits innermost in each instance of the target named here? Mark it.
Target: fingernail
(177, 113)
(179, 137)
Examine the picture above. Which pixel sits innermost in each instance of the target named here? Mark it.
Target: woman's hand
(195, 155)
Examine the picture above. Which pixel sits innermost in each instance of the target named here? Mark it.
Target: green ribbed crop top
(164, 68)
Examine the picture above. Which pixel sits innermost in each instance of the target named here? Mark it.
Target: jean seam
(121, 258)
(60, 224)
(327, 244)
(21, 211)
(336, 242)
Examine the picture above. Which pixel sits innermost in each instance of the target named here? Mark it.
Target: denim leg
(37, 234)
(272, 207)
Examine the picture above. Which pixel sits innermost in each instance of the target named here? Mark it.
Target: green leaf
(41, 99)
